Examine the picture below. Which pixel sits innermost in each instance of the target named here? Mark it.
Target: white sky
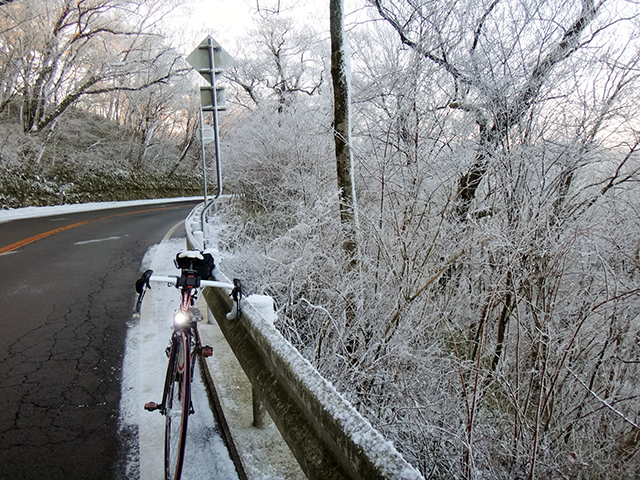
(224, 19)
(231, 20)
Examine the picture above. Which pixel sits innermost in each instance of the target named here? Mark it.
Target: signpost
(210, 60)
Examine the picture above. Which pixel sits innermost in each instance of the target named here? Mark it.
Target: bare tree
(545, 150)
(83, 48)
(284, 65)
(497, 102)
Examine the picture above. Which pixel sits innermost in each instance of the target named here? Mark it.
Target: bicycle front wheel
(178, 405)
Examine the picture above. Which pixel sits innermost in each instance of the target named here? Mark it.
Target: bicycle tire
(178, 406)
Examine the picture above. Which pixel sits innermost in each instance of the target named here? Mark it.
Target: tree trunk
(340, 72)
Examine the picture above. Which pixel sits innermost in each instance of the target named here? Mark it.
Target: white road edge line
(97, 240)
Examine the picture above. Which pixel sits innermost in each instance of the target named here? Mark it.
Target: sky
(231, 20)
(226, 19)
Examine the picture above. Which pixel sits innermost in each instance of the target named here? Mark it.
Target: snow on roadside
(144, 367)
(34, 212)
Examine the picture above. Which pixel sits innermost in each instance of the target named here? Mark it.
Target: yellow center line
(40, 236)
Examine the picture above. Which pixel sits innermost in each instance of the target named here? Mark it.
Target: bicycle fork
(205, 351)
(171, 374)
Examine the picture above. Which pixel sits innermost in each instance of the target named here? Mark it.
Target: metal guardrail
(328, 437)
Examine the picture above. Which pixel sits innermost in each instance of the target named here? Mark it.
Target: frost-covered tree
(497, 88)
(283, 64)
(504, 143)
(57, 52)
(495, 334)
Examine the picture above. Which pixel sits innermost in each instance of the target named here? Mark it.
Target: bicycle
(185, 347)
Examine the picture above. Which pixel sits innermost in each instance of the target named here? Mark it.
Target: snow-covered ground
(142, 381)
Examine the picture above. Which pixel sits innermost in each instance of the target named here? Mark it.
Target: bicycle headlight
(179, 318)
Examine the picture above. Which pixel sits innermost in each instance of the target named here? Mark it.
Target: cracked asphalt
(65, 301)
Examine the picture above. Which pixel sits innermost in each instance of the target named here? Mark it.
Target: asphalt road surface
(66, 294)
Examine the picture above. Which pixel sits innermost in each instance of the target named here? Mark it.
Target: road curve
(66, 293)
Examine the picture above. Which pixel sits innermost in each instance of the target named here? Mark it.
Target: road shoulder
(263, 451)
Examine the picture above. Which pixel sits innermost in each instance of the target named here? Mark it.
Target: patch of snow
(265, 306)
(35, 212)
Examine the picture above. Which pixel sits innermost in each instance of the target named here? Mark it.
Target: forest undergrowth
(502, 346)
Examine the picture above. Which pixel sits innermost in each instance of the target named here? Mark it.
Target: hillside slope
(88, 158)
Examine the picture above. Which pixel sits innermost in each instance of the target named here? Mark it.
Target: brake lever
(141, 285)
(236, 294)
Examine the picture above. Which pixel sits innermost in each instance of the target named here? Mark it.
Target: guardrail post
(259, 410)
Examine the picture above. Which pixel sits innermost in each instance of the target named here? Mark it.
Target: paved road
(65, 299)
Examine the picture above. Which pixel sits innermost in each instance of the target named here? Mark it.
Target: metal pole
(215, 116)
(204, 171)
(259, 409)
(216, 137)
